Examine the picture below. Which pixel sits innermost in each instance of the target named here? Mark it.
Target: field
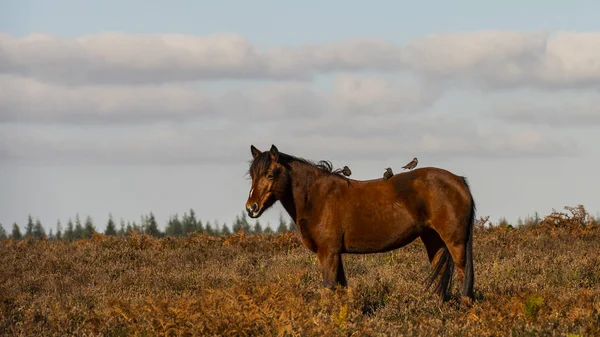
(539, 280)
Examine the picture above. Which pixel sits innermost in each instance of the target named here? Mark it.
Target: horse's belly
(376, 238)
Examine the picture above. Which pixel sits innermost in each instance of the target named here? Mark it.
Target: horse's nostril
(254, 207)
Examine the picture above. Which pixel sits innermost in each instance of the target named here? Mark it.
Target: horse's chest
(305, 232)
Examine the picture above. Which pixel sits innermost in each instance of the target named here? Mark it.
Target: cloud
(508, 59)
(491, 59)
(26, 100)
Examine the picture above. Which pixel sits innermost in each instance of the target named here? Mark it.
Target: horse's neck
(301, 181)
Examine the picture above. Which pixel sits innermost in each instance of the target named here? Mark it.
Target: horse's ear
(255, 152)
(274, 153)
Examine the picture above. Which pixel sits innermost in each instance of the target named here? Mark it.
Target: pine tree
(195, 224)
(50, 235)
(70, 231)
(245, 224)
(78, 231)
(135, 227)
(152, 226)
(122, 229)
(16, 232)
(59, 233)
(237, 224)
(282, 225)
(88, 229)
(29, 227)
(174, 227)
(257, 228)
(188, 224)
(268, 229)
(38, 230)
(2, 232)
(208, 229)
(110, 226)
(225, 230)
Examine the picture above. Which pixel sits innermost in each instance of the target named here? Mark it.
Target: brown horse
(337, 215)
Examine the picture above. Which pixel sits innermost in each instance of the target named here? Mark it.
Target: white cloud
(487, 58)
(28, 100)
(31, 101)
(116, 98)
(509, 58)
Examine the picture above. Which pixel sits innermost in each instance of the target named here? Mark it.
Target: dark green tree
(16, 232)
(78, 231)
(268, 229)
(2, 232)
(59, 232)
(188, 224)
(70, 231)
(245, 224)
(282, 225)
(237, 224)
(111, 229)
(29, 227)
(194, 223)
(174, 227)
(122, 229)
(152, 226)
(38, 230)
(208, 229)
(225, 230)
(89, 229)
(257, 228)
(136, 227)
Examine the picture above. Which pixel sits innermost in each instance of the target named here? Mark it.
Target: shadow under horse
(337, 215)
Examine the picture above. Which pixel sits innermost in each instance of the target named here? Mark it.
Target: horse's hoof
(468, 301)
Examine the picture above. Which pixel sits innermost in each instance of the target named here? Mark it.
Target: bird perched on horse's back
(388, 174)
(346, 171)
(413, 163)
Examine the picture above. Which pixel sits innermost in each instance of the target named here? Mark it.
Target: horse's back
(381, 215)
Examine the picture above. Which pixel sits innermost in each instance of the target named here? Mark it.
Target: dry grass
(537, 280)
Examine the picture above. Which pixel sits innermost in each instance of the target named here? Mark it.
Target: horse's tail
(469, 273)
(443, 268)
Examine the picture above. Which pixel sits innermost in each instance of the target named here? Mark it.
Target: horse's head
(269, 181)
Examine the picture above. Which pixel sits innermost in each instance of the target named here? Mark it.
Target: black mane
(261, 163)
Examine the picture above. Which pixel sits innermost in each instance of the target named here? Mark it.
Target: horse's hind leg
(457, 246)
(332, 268)
(441, 262)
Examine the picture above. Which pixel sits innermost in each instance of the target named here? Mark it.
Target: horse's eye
(270, 176)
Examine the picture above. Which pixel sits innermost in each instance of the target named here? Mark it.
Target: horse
(337, 215)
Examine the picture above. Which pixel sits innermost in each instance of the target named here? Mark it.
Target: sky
(131, 107)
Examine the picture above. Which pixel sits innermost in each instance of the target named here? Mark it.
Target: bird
(413, 163)
(388, 174)
(346, 171)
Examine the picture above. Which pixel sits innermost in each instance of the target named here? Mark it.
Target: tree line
(176, 226)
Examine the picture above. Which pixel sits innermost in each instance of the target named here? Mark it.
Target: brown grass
(539, 280)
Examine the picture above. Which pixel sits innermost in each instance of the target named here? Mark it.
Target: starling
(346, 171)
(413, 163)
(388, 174)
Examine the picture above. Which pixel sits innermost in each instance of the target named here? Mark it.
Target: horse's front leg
(332, 268)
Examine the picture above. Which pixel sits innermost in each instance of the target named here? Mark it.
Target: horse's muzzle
(252, 210)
